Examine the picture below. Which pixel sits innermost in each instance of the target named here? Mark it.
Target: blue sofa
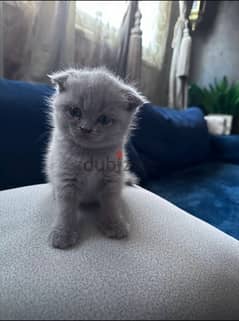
(171, 152)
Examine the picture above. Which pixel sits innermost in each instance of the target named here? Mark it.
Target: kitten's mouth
(88, 136)
(84, 139)
(90, 140)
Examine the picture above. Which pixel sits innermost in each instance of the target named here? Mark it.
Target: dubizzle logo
(105, 165)
(119, 155)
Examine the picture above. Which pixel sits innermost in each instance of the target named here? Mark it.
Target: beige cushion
(172, 267)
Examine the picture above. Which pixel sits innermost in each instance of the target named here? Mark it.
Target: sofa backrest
(165, 140)
(23, 132)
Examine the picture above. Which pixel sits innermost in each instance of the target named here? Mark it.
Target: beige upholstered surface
(172, 266)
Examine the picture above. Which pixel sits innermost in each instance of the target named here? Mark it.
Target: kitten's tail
(130, 179)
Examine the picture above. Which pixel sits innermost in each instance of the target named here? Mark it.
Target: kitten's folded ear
(134, 98)
(60, 79)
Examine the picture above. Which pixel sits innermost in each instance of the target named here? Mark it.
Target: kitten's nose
(85, 130)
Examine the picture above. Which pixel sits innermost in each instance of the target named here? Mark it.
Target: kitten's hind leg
(112, 222)
(130, 179)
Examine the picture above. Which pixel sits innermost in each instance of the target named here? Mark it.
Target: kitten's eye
(75, 112)
(104, 120)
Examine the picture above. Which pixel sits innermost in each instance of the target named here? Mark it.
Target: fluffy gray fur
(92, 113)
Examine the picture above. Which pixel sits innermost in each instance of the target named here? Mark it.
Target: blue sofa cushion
(23, 132)
(136, 164)
(167, 139)
(225, 148)
(209, 191)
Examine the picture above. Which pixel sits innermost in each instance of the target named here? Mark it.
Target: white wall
(216, 44)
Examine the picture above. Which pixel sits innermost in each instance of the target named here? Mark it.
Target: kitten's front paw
(116, 230)
(63, 239)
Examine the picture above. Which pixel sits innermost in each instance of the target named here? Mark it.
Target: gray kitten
(92, 113)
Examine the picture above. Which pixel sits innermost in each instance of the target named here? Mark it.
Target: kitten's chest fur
(90, 171)
(93, 171)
